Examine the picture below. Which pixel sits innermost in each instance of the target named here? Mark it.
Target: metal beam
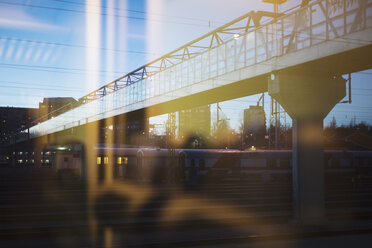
(214, 38)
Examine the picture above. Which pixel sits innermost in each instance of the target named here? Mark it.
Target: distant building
(12, 119)
(254, 130)
(51, 107)
(195, 121)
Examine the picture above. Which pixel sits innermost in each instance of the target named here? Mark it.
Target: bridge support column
(307, 98)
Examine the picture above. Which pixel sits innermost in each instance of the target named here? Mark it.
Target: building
(254, 130)
(51, 107)
(194, 122)
(12, 119)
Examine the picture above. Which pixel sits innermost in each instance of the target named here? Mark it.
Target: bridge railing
(318, 22)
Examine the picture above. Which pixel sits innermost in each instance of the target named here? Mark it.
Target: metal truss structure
(252, 45)
(233, 29)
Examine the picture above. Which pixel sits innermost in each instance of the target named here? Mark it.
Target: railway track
(38, 210)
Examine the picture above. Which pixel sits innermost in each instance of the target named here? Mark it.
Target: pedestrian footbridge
(336, 35)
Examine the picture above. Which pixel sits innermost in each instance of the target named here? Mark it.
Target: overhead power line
(73, 45)
(103, 14)
(42, 85)
(36, 88)
(136, 11)
(54, 68)
(28, 95)
(45, 70)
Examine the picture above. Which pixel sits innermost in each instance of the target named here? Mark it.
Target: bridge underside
(340, 64)
(136, 121)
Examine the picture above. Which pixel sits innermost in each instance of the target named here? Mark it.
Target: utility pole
(170, 136)
(275, 107)
(277, 126)
(277, 120)
(171, 129)
(218, 114)
(274, 122)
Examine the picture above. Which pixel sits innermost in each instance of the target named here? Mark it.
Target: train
(150, 165)
(155, 165)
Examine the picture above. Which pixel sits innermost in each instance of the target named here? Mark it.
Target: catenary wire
(103, 14)
(73, 45)
(136, 11)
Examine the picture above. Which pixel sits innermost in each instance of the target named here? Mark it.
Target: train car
(64, 159)
(269, 165)
(152, 165)
(266, 165)
(221, 164)
(343, 165)
(157, 165)
(347, 159)
(22, 159)
(362, 161)
(122, 159)
(201, 164)
(70, 159)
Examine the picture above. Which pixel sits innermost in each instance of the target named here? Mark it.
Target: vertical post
(277, 126)
(208, 64)
(217, 59)
(345, 30)
(226, 52)
(311, 25)
(171, 134)
(195, 79)
(326, 21)
(364, 13)
(270, 127)
(266, 43)
(282, 38)
(218, 114)
(349, 81)
(245, 50)
(235, 58)
(276, 11)
(276, 6)
(255, 46)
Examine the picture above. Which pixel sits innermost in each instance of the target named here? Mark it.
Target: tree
(222, 132)
(333, 123)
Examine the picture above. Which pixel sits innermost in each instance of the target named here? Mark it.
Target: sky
(63, 48)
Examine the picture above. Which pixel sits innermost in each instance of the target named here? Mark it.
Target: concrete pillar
(307, 98)
(308, 170)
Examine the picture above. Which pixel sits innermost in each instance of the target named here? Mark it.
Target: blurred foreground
(40, 208)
